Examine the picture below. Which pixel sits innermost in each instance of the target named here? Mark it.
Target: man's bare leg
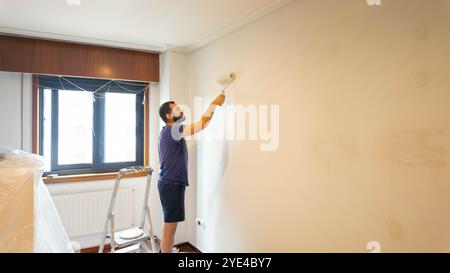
(168, 237)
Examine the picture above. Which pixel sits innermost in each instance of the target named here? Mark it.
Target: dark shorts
(172, 202)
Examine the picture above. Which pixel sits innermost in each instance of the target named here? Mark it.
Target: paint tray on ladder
(129, 237)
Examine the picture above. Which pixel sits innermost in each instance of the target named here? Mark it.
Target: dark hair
(165, 109)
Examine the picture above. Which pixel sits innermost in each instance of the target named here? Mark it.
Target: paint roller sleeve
(226, 79)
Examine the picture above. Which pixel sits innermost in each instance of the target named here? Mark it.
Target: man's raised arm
(197, 127)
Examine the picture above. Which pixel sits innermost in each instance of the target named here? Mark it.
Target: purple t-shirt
(173, 156)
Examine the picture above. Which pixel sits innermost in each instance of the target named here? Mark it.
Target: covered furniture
(29, 221)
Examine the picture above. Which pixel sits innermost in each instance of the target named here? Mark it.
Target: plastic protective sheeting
(29, 226)
(50, 235)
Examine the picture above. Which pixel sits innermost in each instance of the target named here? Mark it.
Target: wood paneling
(29, 55)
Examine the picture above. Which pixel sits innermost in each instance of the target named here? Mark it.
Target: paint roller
(226, 80)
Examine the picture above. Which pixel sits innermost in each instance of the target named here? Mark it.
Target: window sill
(87, 177)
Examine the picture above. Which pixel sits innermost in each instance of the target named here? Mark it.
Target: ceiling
(154, 25)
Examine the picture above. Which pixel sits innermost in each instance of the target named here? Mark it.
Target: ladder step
(130, 249)
(134, 236)
(120, 242)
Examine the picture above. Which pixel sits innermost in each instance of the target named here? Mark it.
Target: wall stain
(417, 148)
(334, 50)
(332, 149)
(335, 145)
(397, 230)
(421, 32)
(422, 79)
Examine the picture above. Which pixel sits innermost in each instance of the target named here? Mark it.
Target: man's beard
(178, 119)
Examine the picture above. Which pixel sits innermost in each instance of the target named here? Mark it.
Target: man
(173, 156)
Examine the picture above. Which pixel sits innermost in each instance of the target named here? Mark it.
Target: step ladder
(130, 240)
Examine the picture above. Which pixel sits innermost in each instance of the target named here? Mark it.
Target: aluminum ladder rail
(109, 223)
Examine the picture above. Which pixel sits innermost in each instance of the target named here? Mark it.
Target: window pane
(75, 127)
(120, 127)
(47, 129)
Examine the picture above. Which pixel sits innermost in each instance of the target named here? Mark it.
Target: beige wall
(364, 148)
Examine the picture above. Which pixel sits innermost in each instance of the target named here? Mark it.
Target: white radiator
(85, 213)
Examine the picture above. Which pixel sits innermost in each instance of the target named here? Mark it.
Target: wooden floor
(188, 248)
(185, 248)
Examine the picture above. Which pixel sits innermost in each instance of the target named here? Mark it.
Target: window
(90, 125)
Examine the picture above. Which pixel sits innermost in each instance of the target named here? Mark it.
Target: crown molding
(237, 24)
